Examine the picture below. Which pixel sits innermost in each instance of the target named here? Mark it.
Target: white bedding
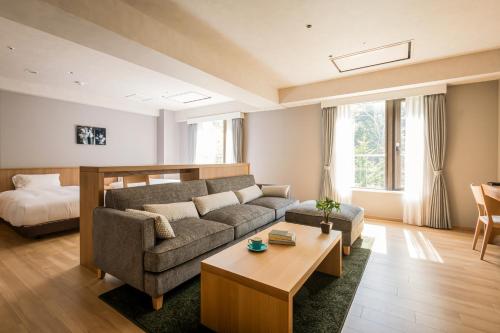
(27, 207)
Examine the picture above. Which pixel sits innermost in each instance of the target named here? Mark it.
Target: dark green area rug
(321, 305)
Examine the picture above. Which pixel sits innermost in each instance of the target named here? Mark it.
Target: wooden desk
(242, 291)
(92, 190)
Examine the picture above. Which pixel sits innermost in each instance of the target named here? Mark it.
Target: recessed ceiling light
(80, 83)
(373, 57)
(138, 98)
(31, 71)
(11, 48)
(189, 97)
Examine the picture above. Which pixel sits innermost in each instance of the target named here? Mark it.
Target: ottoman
(350, 220)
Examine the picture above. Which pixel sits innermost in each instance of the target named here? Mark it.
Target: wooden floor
(425, 280)
(417, 280)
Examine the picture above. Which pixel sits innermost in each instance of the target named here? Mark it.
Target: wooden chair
(478, 197)
(135, 179)
(491, 221)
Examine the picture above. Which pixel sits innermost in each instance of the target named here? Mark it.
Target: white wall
(498, 164)
(284, 147)
(37, 131)
(472, 145)
(183, 142)
(168, 144)
(380, 204)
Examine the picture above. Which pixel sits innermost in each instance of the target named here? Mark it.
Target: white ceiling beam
(120, 30)
(467, 68)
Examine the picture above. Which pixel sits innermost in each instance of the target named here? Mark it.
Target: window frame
(397, 179)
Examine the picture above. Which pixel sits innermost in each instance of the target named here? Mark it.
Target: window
(369, 145)
(214, 142)
(379, 132)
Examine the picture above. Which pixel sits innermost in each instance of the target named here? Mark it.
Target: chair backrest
(491, 195)
(478, 194)
(135, 179)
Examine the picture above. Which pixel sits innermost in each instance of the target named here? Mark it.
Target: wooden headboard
(69, 175)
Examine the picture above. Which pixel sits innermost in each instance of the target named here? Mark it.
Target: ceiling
(107, 80)
(245, 55)
(275, 33)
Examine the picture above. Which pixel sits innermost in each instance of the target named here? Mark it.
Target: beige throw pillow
(248, 194)
(163, 229)
(174, 211)
(208, 203)
(276, 190)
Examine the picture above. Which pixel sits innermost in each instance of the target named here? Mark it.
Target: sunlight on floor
(379, 233)
(420, 247)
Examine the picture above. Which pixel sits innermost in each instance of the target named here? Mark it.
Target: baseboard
(371, 217)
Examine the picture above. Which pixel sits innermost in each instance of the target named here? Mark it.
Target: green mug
(255, 243)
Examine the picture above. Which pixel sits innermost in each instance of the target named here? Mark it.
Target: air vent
(373, 57)
(189, 97)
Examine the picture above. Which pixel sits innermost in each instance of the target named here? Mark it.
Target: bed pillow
(211, 202)
(248, 194)
(163, 229)
(36, 181)
(174, 211)
(276, 190)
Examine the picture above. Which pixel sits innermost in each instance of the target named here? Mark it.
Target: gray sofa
(125, 244)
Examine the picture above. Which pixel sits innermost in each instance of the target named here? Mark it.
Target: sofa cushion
(193, 238)
(280, 205)
(229, 183)
(244, 218)
(281, 191)
(174, 211)
(163, 229)
(211, 202)
(248, 194)
(137, 197)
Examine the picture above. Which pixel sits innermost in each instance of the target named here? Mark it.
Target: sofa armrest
(120, 239)
(289, 196)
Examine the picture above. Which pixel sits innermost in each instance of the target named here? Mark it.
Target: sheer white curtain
(416, 190)
(343, 154)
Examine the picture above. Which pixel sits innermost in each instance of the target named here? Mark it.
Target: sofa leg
(157, 302)
(346, 250)
(100, 274)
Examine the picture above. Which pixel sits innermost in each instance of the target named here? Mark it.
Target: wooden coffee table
(242, 291)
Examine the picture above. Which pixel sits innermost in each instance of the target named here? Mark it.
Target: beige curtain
(435, 133)
(191, 149)
(327, 122)
(237, 125)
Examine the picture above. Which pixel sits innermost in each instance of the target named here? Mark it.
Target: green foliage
(327, 205)
(369, 143)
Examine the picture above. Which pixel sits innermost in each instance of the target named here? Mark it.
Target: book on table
(283, 237)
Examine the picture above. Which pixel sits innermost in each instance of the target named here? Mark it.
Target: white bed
(33, 206)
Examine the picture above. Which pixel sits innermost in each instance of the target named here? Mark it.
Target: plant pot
(326, 227)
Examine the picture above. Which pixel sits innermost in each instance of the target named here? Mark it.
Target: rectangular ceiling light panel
(189, 97)
(373, 57)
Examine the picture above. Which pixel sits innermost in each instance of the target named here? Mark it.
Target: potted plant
(327, 205)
